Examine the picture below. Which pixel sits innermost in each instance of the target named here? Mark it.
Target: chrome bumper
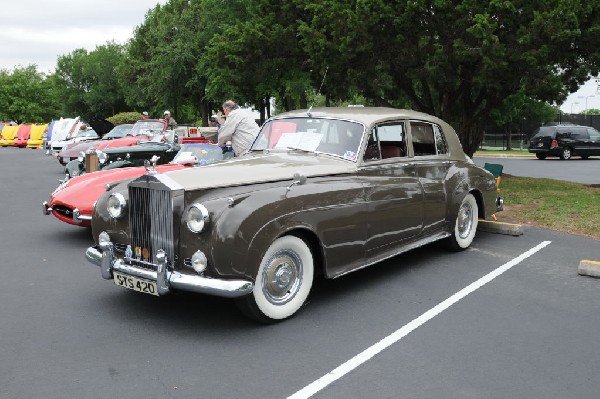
(77, 216)
(166, 280)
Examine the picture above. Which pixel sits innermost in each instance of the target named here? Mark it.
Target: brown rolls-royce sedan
(322, 192)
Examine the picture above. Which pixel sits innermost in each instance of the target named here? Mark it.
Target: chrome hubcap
(465, 220)
(281, 278)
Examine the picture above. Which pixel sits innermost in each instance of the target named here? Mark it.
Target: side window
(440, 140)
(386, 141)
(579, 134)
(423, 139)
(594, 134)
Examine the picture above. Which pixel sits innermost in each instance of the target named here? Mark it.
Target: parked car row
(23, 135)
(322, 192)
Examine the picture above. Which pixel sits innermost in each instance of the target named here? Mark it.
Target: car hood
(101, 126)
(260, 168)
(82, 191)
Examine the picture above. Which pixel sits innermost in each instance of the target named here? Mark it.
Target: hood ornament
(299, 179)
(150, 165)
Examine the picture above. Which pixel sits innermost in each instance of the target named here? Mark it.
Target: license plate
(135, 284)
(540, 144)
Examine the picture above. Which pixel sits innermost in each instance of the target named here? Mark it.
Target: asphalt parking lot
(508, 318)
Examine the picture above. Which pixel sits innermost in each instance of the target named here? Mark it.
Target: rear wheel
(566, 153)
(283, 281)
(540, 156)
(465, 224)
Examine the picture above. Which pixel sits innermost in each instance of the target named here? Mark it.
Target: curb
(589, 268)
(491, 226)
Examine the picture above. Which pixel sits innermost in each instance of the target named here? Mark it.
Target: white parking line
(368, 353)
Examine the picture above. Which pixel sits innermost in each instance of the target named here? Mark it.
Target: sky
(38, 32)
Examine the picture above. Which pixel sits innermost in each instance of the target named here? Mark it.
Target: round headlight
(81, 156)
(102, 157)
(199, 262)
(197, 218)
(116, 205)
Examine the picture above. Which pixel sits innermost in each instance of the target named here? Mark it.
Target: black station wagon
(565, 141)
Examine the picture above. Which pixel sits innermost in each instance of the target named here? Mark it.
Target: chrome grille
(151, 221)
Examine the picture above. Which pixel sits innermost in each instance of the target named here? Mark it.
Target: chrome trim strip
(167, 279)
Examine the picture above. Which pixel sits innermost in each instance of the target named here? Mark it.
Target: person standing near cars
(171, 123)
(239, 128)
(145, 115)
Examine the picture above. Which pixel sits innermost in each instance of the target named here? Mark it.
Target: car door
(432, 163)
(580, 141)
(393, 193)
(594, 141)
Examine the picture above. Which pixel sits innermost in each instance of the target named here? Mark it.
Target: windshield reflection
(320, 135)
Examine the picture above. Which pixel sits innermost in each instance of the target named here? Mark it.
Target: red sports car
(73, 201)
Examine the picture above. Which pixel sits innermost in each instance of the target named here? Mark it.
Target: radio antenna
(320, 87)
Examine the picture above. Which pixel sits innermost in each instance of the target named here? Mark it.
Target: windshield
(330, 136)
(118, 131)
(205, 153)
(147, 127)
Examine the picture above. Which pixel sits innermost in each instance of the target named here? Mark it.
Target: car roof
(365, 115)
(371, 115)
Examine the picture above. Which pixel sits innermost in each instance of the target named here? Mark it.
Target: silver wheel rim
(567, 153)
(282, 277)
(464, 221)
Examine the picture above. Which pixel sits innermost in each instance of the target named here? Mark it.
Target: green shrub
(125, 117)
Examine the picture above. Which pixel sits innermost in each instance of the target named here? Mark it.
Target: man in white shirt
(239, 128)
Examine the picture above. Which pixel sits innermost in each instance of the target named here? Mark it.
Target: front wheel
(465, 224)
(283, 281)
(566, 153)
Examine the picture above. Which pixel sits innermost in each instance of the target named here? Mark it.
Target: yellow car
(9, 133)
(37, 136)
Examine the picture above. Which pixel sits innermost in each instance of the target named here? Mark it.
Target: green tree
(457, 59)
(26, 96)
(87, 83)
(517, 109)
(160, 65)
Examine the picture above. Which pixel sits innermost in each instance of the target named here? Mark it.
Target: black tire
(540, 156)
(465, 225)
(585, 157)
(283, 281)
(566, 153)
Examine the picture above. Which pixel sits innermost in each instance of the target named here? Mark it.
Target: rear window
(545, 132)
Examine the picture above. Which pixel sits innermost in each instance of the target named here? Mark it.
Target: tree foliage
(469, 62)
(459, 60)
(88, 84)
(25, 96)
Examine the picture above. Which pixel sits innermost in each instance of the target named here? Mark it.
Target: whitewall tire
(465, 224)
(283, 281)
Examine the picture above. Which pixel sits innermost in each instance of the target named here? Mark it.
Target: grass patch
(552, 204)
(484, 153)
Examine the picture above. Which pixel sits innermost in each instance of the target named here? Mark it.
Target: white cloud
(34, 33)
